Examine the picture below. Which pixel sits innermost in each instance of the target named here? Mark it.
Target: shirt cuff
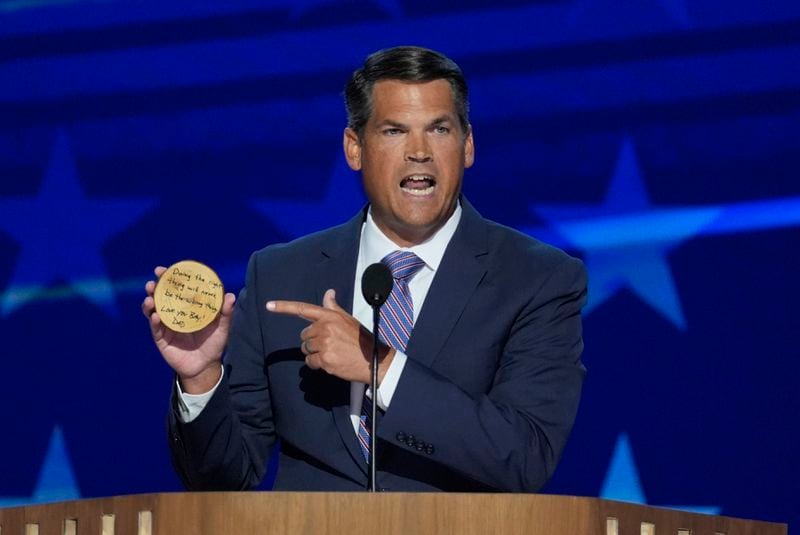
(191, 405)
(390, 380)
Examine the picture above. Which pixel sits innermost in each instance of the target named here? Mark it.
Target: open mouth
(419, 185)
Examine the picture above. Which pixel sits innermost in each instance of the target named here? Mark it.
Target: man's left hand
(335, 341)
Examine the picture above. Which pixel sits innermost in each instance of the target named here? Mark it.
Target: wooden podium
(243, 513)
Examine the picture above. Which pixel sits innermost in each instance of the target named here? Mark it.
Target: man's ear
(352, 149)
(469, 148)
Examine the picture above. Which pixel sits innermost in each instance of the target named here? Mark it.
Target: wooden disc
(188, 296)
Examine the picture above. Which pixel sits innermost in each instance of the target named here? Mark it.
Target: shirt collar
(375, 245)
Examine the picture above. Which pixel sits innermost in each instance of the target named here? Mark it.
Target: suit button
(421, 446)
(401, 437)
(410, 441)
(429, 450)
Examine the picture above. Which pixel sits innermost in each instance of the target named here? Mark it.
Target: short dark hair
(404, 63)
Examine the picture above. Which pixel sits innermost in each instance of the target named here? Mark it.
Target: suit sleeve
(227, 445)
(511, 437)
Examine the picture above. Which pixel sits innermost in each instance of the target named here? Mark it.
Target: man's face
(412, 157)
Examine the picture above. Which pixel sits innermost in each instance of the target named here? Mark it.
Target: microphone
(376, 285)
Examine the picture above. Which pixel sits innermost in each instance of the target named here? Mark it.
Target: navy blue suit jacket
(486, 401)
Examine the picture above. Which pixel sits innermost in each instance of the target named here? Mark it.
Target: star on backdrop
(622, 482)
(56, 480)
(298, 218)
(626, 240)
(61, 232)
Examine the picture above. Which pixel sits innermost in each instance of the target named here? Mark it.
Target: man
(480, 370)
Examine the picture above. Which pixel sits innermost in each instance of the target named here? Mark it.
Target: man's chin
(418, 230)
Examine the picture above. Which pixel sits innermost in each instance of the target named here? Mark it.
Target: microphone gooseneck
(376, 285)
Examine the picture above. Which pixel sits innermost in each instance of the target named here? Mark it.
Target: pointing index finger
(307, 311)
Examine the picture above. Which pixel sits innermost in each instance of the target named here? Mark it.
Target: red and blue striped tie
(397, 320)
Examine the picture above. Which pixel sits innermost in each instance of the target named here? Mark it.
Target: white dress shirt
(373, 246)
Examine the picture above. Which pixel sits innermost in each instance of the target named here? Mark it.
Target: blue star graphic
(622, 481)
(297, 218)
(56, 478)
(625, 240)
(61, 232)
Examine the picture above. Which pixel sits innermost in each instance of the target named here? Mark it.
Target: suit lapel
(461, 270)
(459, 273)
(337, 270)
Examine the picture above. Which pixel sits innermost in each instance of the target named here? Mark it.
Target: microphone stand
(373, 415)
(376, 285)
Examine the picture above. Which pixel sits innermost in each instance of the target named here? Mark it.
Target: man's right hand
(195, 357)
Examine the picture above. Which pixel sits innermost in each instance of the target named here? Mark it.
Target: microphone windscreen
(376, 284)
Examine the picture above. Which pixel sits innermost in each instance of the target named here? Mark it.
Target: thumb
(329, 300)
(228, 301)
(227, 310)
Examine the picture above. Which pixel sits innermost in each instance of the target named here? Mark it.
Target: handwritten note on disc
(188, 296)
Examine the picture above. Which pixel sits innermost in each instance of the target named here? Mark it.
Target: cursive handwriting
(190, 296)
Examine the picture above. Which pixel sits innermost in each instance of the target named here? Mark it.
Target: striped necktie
(397, 321)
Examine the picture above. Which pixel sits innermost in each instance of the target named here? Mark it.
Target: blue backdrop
(657, 139)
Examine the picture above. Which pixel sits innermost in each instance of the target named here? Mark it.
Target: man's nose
(418, 150)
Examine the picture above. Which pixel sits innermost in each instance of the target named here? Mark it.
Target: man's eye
(441, 129)
(392, 131)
